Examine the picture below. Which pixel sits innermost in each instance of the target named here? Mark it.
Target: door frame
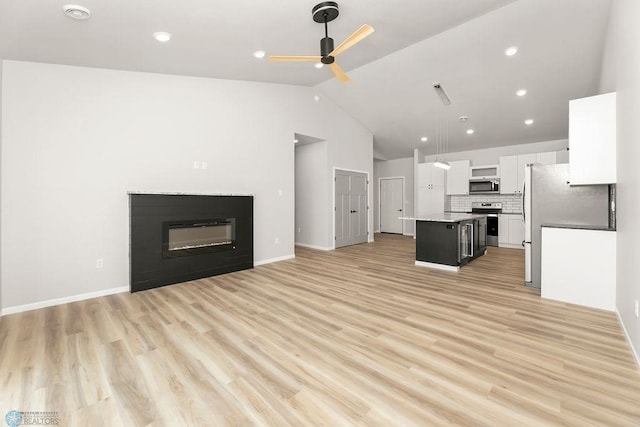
(380, 200)
(333, 198)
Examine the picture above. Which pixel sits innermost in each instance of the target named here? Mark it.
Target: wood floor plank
(355, 336)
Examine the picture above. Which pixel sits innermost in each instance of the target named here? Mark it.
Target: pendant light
(442, 136)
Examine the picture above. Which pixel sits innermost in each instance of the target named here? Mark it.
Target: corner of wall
(607, 81)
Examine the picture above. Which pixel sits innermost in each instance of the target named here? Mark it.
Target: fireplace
(187, 238)
(177, 237)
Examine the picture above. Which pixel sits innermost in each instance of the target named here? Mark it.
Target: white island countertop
(444, 217)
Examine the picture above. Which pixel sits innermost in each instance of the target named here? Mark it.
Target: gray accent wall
(76, 139)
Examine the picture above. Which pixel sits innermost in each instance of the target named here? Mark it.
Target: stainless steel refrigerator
(549, 199)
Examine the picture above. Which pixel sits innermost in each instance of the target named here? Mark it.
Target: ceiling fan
(323, 13)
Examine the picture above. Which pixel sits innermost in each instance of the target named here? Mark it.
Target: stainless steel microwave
(484, 186)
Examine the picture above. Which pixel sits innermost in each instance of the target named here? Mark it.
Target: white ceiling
(457, 42)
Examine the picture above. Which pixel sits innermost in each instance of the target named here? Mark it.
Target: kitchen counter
(580, 227)
(448, 241)
(501, 213)
(445, 217)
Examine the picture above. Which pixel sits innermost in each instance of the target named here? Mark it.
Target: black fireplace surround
(175, 238)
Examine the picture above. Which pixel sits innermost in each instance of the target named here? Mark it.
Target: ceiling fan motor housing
(326, 47)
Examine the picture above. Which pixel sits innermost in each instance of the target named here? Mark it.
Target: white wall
(394, 168)
(1, 68)
(626, 55)
(608, 66)
(491, 156)
(354, 154)
(75, 140)
(311, 195)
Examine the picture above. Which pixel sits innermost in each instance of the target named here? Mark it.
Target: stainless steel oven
(491, 210)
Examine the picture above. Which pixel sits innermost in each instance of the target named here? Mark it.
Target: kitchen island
(448, 241)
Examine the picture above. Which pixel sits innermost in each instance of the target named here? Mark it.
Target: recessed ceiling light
(424, 139)
(76, 12)
(528, 122)
(521, 92)
(470, 131)
(511, 51)
(316, 98)
(463, 118)
(295, 141)
(259, 54)
(318, 65)
(161, 36)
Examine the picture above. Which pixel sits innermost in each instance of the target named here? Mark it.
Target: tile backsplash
(511, 203)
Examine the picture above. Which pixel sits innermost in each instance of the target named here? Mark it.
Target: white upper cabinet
(508, 174)
(512, 172)
(592, 140)
(458, 178)
(430, 191)
(430, 176)
(523, 161)
(512, 169)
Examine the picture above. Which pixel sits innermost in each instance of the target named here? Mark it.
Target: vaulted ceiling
(459, 43)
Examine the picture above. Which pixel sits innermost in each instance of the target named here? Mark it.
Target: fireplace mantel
(180, 193)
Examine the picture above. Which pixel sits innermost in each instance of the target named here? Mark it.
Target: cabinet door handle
(399, 210)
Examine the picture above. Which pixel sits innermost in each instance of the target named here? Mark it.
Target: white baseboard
(626, 334)
(276, 259)
(63, 300)
(437, 266)
(376, 231)
(319, 248)
(371, 240)
(511, 246)
(407, 234)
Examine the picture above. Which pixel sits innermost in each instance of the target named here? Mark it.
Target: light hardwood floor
(356, 336)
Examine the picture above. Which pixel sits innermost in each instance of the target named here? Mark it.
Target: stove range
(491, 210)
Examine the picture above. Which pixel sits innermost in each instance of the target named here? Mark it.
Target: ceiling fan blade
(354, 38)
(295, 58)
(337, 71)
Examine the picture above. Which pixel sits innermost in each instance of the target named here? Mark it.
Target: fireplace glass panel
(186, 238)
(199, 236)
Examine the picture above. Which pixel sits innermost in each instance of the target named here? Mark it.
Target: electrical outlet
(277, 240)
(636, 311)
(298, 229)
(99, 263)
(196, 165)
(204, 165)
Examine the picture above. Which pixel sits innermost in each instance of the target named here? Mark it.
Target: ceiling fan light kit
(324, 13)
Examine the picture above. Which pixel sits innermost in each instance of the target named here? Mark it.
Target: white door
(351, 208)
(391, 201)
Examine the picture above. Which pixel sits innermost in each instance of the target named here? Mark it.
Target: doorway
(391, 205)
(351, 207)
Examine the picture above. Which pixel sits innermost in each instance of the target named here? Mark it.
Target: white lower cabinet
(579, 267)
(510, 231)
